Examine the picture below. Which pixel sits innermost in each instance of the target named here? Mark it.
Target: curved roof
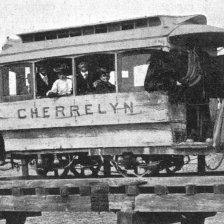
(203, 35)
(154, 34)
(166, 19)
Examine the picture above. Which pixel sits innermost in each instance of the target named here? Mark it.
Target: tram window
(88, 30)
(75, 32)
(154, 21)
(28, 38)
(39, 37)
(141, 23)
(47, 73)
(133, 71)
(90, 70)
(114, 27)
(16, 81)
(51, 35)
(63, 34)
(101, 29)
(127, 26)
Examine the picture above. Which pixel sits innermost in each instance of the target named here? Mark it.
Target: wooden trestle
(154, 195)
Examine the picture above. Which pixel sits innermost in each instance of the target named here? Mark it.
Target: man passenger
(84, 79)
(44, 81)
(62, 86)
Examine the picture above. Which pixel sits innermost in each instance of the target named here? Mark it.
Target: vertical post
(34, 79)
(15, 217)
(116, 72)
(25, 168)
(201, 164)
(1, 83)
(132, 217)
(126, 217)
(106, 166)
(74, 82)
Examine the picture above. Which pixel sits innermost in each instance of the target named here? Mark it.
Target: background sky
(18, 16)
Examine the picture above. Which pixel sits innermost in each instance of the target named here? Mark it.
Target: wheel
(86, 166)
(44, 166)
(214, 161)
(42, 172)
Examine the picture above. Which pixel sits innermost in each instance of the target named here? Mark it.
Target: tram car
(133, 95)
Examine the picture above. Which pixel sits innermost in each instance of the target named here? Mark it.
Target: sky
(19, 16)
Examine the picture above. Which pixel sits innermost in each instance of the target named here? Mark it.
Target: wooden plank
(149, 150)
(17, 98)
(99, 109)
(121, 202)
(115, 182)
(45, 203)
(74, 203)
(184, 181)
(57, 183)
(141, 203)
(180, 203)
(138, 135)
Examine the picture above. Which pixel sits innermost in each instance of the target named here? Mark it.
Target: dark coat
(84, 86)
(105, 87)
(42, 87)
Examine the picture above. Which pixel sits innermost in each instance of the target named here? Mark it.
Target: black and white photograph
(112, 112)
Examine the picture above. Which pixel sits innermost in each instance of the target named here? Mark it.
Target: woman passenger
(62, 86)
(103, 85)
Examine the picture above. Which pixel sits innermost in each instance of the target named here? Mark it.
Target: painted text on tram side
(74, 110)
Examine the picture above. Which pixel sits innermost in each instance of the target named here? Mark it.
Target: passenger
(84, 79)
(62, 86)
(44, 81)
(103, 85)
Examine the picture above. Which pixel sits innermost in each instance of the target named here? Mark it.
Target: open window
(133, 66)
(46, 74)
(88, 80)
(16, 82)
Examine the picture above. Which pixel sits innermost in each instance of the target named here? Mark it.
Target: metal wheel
(86, 166)
(44, 166)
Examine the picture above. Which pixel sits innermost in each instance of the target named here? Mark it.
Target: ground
(91, 218)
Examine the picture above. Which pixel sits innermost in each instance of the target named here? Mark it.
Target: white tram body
(130, 119)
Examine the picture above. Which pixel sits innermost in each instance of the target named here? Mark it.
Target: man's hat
(102, 71)
(62, 68)
(82, 64)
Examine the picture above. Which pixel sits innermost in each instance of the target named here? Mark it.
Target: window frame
(118, 55)
(74, 73)
(17, 97)
(119, 69)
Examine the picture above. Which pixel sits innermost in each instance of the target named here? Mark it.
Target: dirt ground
(94, 218)
(91, 218)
